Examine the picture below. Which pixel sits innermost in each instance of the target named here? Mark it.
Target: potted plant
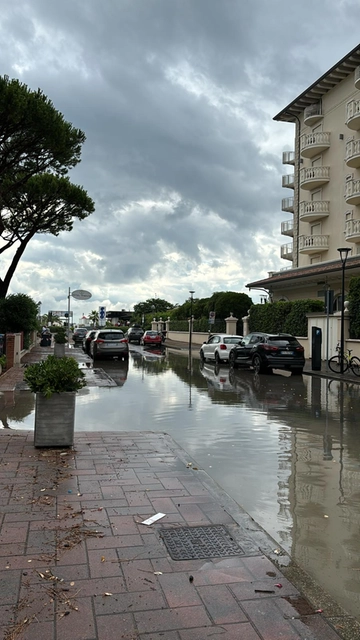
(55, 382)
(60, 340)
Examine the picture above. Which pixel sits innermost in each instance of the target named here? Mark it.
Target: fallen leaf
(107, 594)
(158, 573)
(102, 558)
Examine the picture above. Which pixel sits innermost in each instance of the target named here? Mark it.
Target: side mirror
(204, 342)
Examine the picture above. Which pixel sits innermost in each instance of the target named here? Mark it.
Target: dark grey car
(134, 334)
(268, 351)
(108, 343)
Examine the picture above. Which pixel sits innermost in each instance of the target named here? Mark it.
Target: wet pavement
(82, 566)
(77, 562)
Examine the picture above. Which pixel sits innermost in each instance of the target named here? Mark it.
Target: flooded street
(287, 449)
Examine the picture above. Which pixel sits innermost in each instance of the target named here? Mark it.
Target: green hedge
(287, 317)
(353, 298)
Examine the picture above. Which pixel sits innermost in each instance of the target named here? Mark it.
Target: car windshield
(232, 340)
(114, 335)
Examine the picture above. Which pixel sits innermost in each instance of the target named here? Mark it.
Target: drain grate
(190, 543)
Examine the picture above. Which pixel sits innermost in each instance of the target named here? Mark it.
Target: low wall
(183, 336)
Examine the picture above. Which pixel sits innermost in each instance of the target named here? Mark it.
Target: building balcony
(314, 210)
(352, 230)
(312, 114)
(352, 192)
(287, 251)
(352, 153)
(287, 204)
(353, 114)
(313, 244)
(287, 228)
(288, 180)
(288, 157)
(357, 78)
(311, 144)
(314, 177)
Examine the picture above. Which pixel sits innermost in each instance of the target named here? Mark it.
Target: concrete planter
(59, 350)
(55, 420)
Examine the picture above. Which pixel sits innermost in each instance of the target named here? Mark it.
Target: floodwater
(286, 448)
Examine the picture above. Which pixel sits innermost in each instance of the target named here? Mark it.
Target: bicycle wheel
(355, 365)
(335, 364)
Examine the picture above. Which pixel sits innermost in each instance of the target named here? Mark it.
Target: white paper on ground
(153, 519)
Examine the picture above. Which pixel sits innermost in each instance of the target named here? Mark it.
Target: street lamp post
(343, 257)
(190, 324)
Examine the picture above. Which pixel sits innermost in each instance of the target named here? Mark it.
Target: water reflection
(286, 448)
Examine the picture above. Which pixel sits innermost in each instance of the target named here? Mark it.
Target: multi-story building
(323, 186)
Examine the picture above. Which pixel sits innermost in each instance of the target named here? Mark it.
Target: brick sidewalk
(77, 564)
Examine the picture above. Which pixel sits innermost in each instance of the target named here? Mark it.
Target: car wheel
(257, 364)
(217, 358)
(232, 360)
(202, 357)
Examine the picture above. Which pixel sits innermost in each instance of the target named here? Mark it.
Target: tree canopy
(18, 312)
(37, 148)
(152, 305)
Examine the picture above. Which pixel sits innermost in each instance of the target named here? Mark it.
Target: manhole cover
(190, 543)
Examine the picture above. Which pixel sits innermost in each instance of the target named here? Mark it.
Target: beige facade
(321, 186)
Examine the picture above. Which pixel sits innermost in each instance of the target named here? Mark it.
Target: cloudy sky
(182, 157)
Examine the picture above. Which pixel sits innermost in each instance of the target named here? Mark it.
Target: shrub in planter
(55, 382)
(60, 340)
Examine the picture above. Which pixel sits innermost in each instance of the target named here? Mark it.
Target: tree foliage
(152, 305)
(34, 137)
(18, 312)
(222, 302)
(37, 148)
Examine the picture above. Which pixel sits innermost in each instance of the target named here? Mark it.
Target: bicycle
(348, 362)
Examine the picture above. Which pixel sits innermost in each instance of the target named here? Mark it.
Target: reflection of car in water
(117, 370)
(216, 376)
(277, 391)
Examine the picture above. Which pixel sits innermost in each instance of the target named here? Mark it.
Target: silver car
(218, 347)
(108, 343)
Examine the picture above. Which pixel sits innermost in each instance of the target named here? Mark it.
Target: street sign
(102, 316)
(80, 294)
(59, 314)
(212, 317)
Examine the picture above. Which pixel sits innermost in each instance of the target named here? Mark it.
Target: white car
(218, 347)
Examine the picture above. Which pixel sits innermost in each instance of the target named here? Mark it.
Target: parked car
(218, 347)
(267, 351)
(79, 334)
(151, 337)
(134, 334)
(108, 343)
(87, 339)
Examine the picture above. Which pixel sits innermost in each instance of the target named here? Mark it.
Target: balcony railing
(288, 181)
(312, 113)
(357, 78)
(288, 157)
(287, 228)
(353, 114)
(352, 192)
(313, 143)
(352, 153)
(287, 251)
(287, 204)
(314, 177)
(314, 210)
(313, 244)
(352, 230)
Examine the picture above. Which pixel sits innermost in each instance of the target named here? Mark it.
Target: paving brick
(139, 575)
(114, 627)
(11, 533)
(78, 625)
(104, 562)
(221, 605)
(269, 621)
(125, 602)
(9, 587)
(244, 631)
(170, 619)
(123, 525)
(179, 592)
(222, 572)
